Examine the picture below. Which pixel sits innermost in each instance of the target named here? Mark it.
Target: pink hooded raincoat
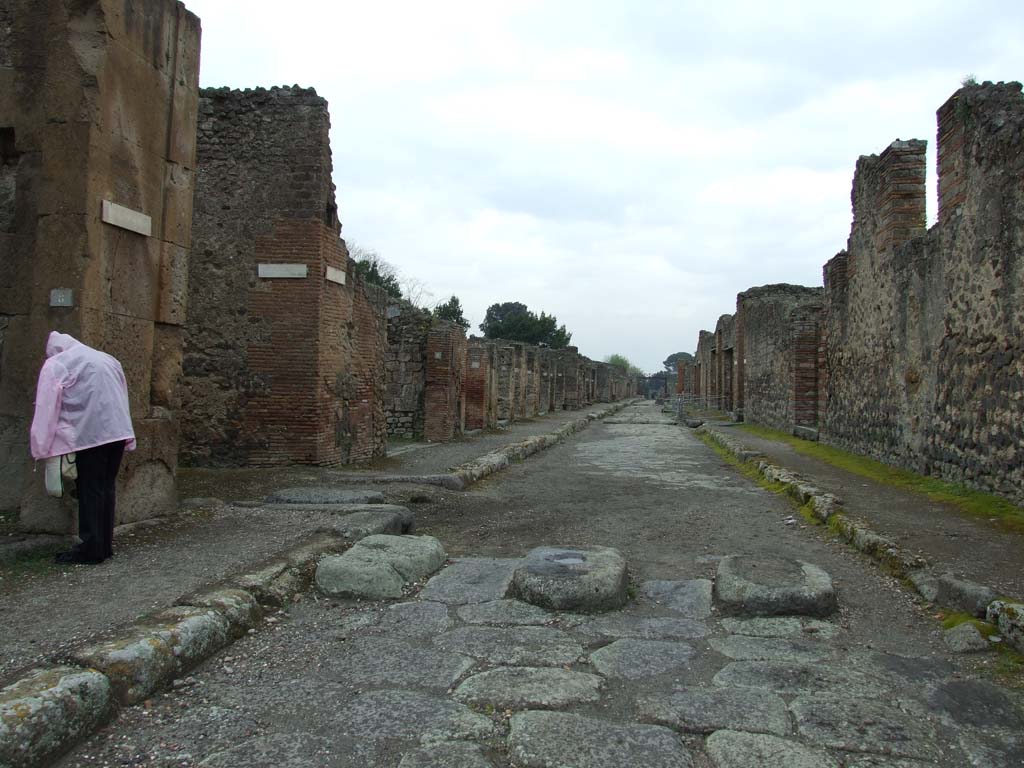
(81, 400)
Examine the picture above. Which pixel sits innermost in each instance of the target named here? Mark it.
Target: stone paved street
(840, 666)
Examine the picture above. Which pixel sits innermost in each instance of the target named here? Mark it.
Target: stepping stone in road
(704, 710)
(633, 659)
(587, 579)
(562, 740)
(743, 648)
(690, 598)
(529, 688)
(770, 586)
(315, 495)
(513, 646)
(732, 749)
(449, 754)
(504, 612)
(379, 567)
(471, 580)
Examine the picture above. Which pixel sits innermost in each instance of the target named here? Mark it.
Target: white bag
(59, 469)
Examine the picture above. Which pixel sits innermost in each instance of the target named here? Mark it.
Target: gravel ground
(338, 683)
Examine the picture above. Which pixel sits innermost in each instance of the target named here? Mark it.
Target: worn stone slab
(769, 586)
(504, 612)
(562, 740)
(378, 567)
(357, 521)
(382, 715)
(1009, 617)
(570, 578)
(633, 659)
(513, 646)
(744, 648)
(448, 754)
(950, 591)
(781, 626)
(148, 655)
(240, 608)
(900, 669)
(879, 761)
(977, 703)
(787, 678)
(881, 727)
(704, 710)
(622, 625)
(993, 747)
(382, 662)
(965, 638)
(733, 749)
(471, 580)
(529, 688)
(417, 620)
(281, 750)
(324, 495)
(690, 598)
(49, 710)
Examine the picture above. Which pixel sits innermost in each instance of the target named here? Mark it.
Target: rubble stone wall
(405, 369)
(97, 109)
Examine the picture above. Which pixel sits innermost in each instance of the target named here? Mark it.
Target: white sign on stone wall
(125, 218)
(335, 275)
(282, 270)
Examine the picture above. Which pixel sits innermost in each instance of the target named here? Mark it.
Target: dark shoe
(75, 558)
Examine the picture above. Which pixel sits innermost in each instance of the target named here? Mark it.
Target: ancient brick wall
(445, 369)
(923, 346)
(285, 348)
(405, 369)
(97, 109)
(772, 340)
(479, 393)
(569, 368)
(725, 345)
(706, 369)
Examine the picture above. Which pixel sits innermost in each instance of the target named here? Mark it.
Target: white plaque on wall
(125, 218)
(335, 275)
(283, 270)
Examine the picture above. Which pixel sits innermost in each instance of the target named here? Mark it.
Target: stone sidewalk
(949, 539)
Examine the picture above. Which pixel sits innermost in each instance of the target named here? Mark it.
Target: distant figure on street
(82, 408)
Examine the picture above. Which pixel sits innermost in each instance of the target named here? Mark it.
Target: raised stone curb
(379, 567)
(945, 589)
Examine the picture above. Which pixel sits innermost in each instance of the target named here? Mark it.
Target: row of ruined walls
(912, 351)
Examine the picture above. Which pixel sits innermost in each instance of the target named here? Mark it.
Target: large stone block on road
(471, 580)
(587, 579)
(768, 586)
(562, 740)
(49, 710)
(378, 567)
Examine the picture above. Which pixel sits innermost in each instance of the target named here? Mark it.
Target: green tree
(670, 361)
(621, 361)
(373, 269)
(451, 310)
(513, 320)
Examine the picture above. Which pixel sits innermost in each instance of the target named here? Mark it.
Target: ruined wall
(570, 376)
(480, 384)
(706, 369)
(725, 360)
(405, 370)
(285, 348)
(548, 365)
(97, 109)
(519, 376)
(506, 381)
(923, 342)
(774, 386)
(445, 365)
(532, 381)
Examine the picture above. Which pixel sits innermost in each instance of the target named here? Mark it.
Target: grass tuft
(975, 503)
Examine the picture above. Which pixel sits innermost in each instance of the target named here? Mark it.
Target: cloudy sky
(627, 166)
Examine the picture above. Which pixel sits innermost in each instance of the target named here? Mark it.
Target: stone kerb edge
(828, 509)
(49, 710)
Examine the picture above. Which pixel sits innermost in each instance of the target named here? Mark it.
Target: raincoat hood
(60, 342)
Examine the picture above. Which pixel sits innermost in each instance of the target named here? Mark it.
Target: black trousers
(97, 488)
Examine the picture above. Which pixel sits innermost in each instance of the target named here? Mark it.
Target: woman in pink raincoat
(82, 408)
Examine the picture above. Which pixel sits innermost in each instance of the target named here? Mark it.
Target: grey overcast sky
(628, 166)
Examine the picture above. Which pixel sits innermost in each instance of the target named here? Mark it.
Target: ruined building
(285, 349)
(97, 136)
(912, 353)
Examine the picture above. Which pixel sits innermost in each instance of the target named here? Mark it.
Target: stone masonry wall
(445, 369)
(406, 372)
(285, 348)
(478, 385)
(97, 108)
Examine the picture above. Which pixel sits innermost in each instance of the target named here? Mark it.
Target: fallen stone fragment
(633, 659)
(768, 586)
(378, 567)
(703, 710)
(732, 749)
(382, 662)
(951, 592)
(315, 495)
(447, 754)
(240, 608)
(965, 638)
(690, 598)
(529, 688)
(781, 626)
(743, 648)
(151, 653)
(49, 710)
(1009, 617)
(898, 728)
(471, 580)
(620, 625)
(787, 678)
(976, 703)
(561, 740)
(586, 579)
(513, 646)
(410, 715)
(504, 612)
